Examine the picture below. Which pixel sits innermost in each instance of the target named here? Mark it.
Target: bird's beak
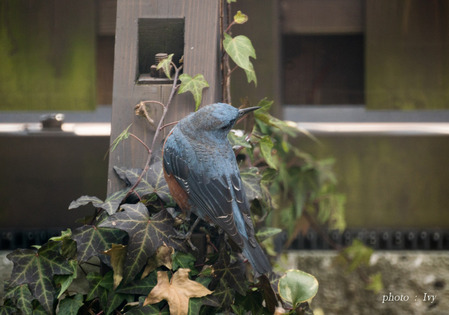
(244, 111)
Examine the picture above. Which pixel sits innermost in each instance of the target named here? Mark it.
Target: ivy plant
(128, 257)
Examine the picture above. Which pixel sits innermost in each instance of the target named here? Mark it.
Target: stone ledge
(415, 276)
(414, 283)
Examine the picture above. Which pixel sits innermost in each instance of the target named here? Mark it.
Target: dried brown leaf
(176, 291)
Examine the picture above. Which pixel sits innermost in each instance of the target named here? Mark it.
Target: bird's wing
(210, 198)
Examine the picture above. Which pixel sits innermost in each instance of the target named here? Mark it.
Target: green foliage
(297, 287)
(133, 243)
(194, 85)
(290, 181)
(165, 64)
(36, 269)
(240, 49)
(240, 18)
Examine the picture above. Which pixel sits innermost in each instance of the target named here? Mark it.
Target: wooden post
(146, 27)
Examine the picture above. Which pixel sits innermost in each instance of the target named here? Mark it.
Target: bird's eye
(228, 125)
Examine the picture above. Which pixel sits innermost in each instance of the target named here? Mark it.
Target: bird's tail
(256, 257)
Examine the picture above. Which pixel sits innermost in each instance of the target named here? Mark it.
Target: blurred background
(368, 78)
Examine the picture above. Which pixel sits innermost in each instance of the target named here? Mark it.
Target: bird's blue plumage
(199, 159)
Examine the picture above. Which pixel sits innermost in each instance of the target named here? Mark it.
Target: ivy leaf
(375, 283)
(232, 273)
(64, 281)
(237, 138)
(266, 146)
(145, 235)
(165, 64)
(267, 232)
(297, 286)
(113, 201)
(223, 295)
(194, 85)
(251, 74)
(147, 310)
(251, 182)
(110, 205)
(356, 255)
(176, 292)
(240, 49)
(100, 286)
(93, 241)
(117, 253)
(139, 286)
(71, 304)
(115, 300)
(153, 181)
(122, 136)
(240, 18)
(8, 308)
(85, 200)
(37, 268)
(22, 295)
(183, 260)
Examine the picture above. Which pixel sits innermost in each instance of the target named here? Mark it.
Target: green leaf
(85, 200)
(375, 283)
(139, 286)
(240, 18)
(223, 295)
(122, 136)
(148, 310)
(146, 234)
(93, 241)
(152, 182)
(231, 273)
(22, 295)
(251, 182)
(37, 268)
(240, 49)
(117, 253)
(266, 146)
(194, 85)
(267, 232)
(230, 1)
(297, 286)
(71, 304)
(251, 74)
(9, 309)
(115, 300)
(165, 64)
(237, 138)
(64, 281)
(184, 260)
(110, 205)
(100, 286)
(356, 255)
(113, 201)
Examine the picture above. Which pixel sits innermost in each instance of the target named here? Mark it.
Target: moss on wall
(390, 181)
(47, 55)
(407, 52)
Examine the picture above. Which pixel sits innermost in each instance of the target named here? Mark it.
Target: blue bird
(203, 176)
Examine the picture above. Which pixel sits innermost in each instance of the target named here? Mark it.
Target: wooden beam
(200, 41)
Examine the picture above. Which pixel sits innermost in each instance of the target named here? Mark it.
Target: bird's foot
(185, 237)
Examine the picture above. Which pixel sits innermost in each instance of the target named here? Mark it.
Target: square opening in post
(155, 38)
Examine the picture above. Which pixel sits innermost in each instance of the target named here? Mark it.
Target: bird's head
(217, 118)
